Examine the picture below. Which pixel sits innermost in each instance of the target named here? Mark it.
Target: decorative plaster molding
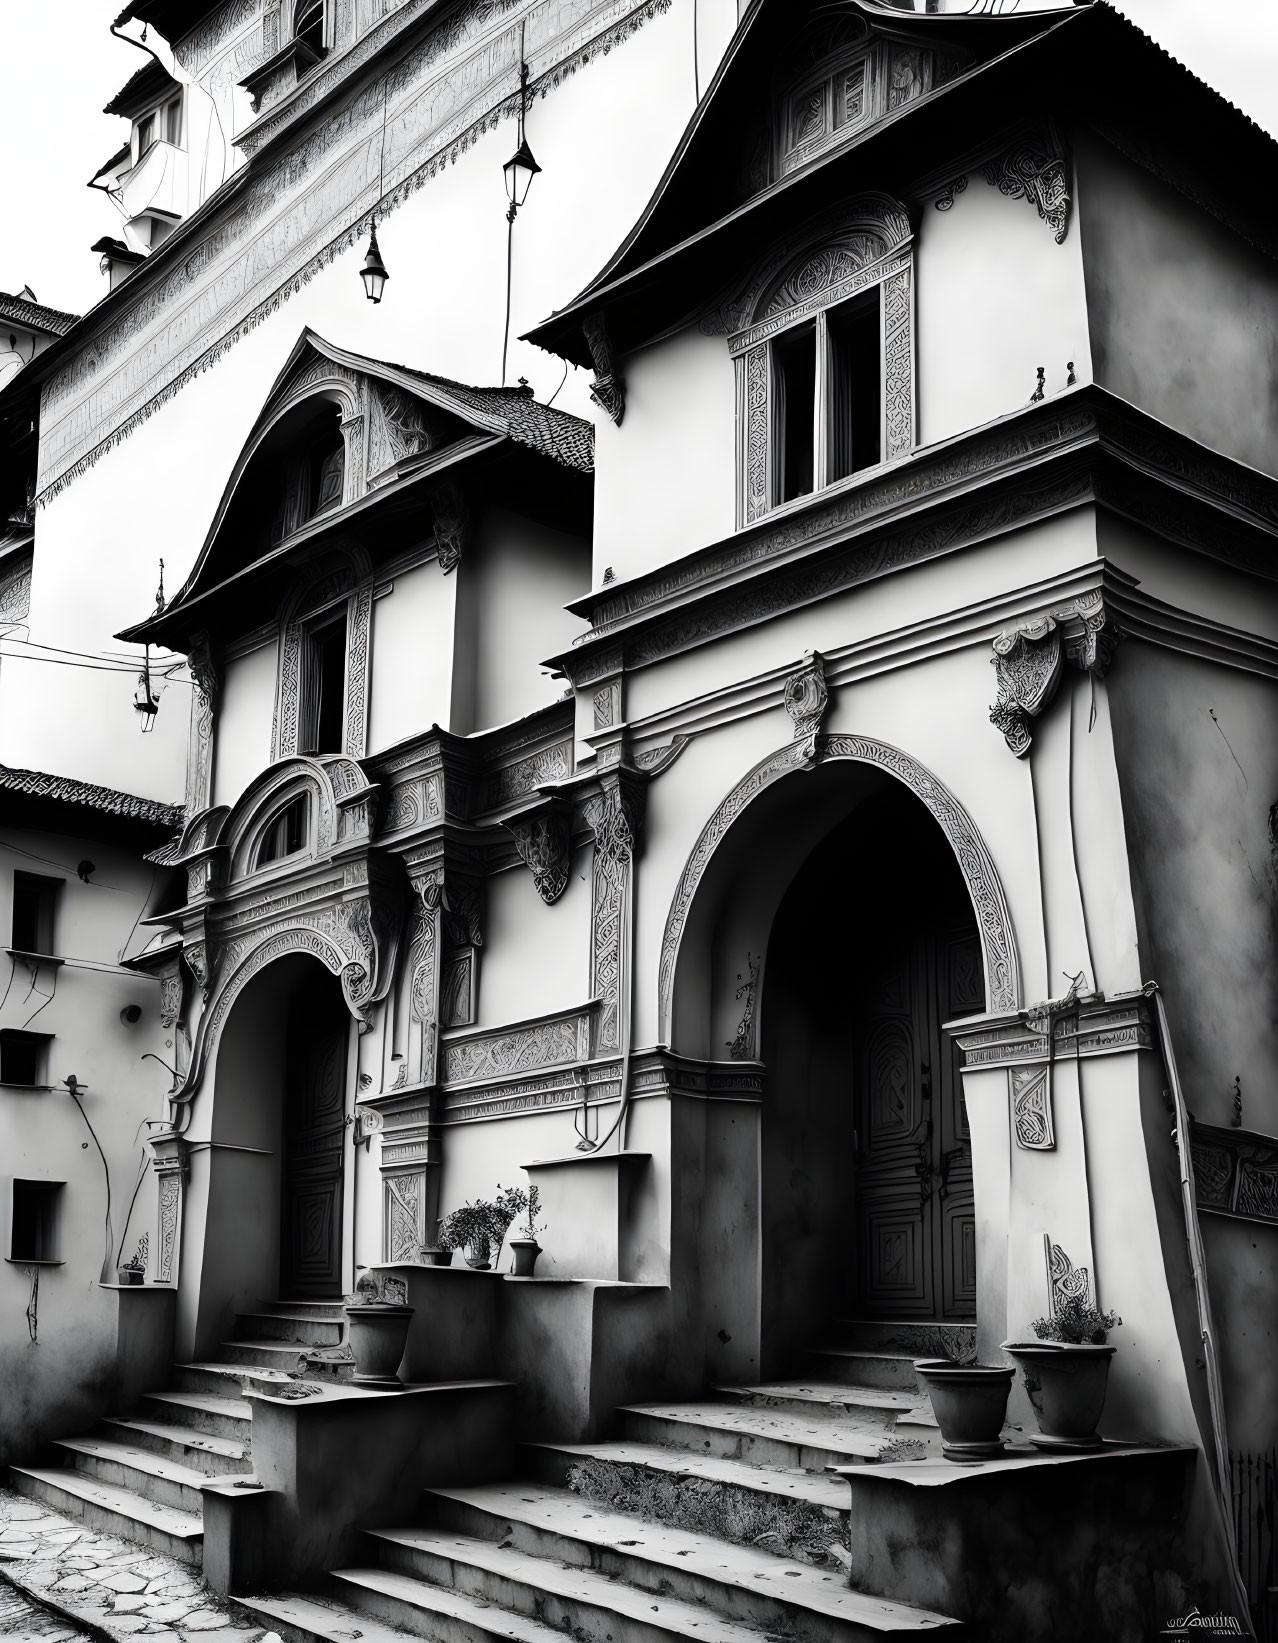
(1035, 167)
(741, 1047)
(1235, 1172)
(608, 390)
(204, 693)
(807, 701)
(543, 840)
(1029, 661)
(452, 524)
(998, 940)
(490, 1055)
(1032, 1108)
(1087, 1027)
(1065, 1281)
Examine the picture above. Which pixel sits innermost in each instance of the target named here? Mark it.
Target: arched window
(286, 833)
(308, 24)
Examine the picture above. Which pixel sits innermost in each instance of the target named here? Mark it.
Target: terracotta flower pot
(970, 1405)
(439, 1257)
(1066, 1384)
(378, 1334)
(525, 1251)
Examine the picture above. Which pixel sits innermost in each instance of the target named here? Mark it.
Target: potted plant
(134, 1271)
(440, 1252)
(1066, 1373)
(525, 1247)
(378, 1330)
(479, 1228)
(969, 1401)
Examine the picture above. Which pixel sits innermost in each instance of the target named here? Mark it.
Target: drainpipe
(1198, 1266)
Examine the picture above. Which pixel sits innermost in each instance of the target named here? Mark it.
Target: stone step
(628, 1477)
(921, 1338)
(298, 1328)
(311, 1309)
(140, 1471)
(308, 1617)
(870, 1405)
(545, 1528)
(113, 1510)
(764, 1437)
(281, 1357)
(853, 1367)
(217, 1416)
(214, 1457)
(228, 1379)
(488, 1594)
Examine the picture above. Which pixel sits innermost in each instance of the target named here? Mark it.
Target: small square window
(35, 1221)
(24, 1057)
(35, 907)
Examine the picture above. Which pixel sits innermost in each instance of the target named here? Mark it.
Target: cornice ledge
(1088, 1026)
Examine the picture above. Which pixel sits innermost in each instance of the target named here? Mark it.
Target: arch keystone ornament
(807, 701)
(994, 923)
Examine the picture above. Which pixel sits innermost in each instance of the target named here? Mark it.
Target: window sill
(25, 1260)
(33, 1089)
(34, 958)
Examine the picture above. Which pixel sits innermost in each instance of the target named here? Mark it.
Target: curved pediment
(337, 433)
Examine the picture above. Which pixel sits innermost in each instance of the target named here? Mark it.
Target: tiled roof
(35, 314)
(106, 801)
(164, 855)
(557, 434)
(145, 85)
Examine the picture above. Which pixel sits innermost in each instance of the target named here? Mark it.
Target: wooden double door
(316, 1040)
(914, 1209)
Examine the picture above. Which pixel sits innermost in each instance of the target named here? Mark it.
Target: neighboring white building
(792, 779)
(26, 327)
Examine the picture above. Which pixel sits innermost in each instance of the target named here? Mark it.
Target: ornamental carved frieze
(615, 816)
(608, 389)
(543, 839)
(1030, 660)
(1035, 167)
(204, 692)
(807, 701)
(1235, 1172)
(400, 428)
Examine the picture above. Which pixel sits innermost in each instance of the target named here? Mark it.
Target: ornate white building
(795, 784)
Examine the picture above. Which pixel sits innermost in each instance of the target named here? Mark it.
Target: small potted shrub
(525, 1247)
(440, 1252)
(378, 1330)
(469, 1229)
(1066, 1373)
(134, 1271)
(969, 1401)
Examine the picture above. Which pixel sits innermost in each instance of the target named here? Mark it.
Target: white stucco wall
(602, 138)
(412, 652)
(59, 1378)
(245, 707)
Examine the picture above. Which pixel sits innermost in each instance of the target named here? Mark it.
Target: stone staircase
(139, 1475)
(715, 1520)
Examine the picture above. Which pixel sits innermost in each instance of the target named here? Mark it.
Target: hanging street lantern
(373, 273)
(520, 169)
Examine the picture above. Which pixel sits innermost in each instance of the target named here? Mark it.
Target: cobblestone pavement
(118, 1588)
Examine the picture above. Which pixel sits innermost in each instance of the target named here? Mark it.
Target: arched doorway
(867, 1195)
(276, 1214)
(807, 886)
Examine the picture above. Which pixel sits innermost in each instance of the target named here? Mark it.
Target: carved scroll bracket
(1035, 167)
(452, 524)
(1030, 660)
(807, 701)
(608, 390)
(543, 838)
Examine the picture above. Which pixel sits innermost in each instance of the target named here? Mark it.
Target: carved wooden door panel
(915, 1221)
(314, 1145)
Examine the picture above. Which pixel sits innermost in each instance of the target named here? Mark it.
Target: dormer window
(161, 125)
(820, 109)
(308, 25)
(286, 833)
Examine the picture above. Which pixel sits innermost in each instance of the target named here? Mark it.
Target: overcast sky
(55, 143)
